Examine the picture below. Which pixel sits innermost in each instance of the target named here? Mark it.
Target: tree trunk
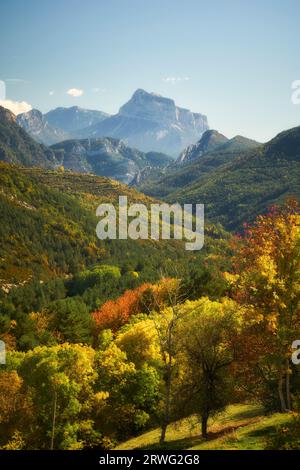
(280, 393)
(287, 386)
(53, 421)
(204, 419)
(163, 433)
(166, 416)
(167, 403)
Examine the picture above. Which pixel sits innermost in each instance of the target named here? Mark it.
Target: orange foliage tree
(115, 313)
(267, 283)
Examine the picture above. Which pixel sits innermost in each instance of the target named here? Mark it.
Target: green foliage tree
(71, 319)
(206, 352)
(132, 392)
(60, 380)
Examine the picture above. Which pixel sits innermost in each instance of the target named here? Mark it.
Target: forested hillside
(235, 185)
(49, 222)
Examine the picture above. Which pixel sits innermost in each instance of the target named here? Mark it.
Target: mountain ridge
(73, 118)
(196, 162)
(107, 157)
(248, 185)
(36, 125)
(151, 122)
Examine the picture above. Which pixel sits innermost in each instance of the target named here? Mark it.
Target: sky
(233, 60)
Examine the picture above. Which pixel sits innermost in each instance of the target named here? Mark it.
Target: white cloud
(174, 80)
(51, 93)
(75, 92)
(16, 107)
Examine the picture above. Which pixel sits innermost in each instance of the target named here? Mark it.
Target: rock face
(106, 157)
(151, 122)
(74, 118)
(36, 125)
(209, 141)
(59, 124)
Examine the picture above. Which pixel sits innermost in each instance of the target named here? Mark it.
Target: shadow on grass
(245, 414)
(192, 441)
(262, 432)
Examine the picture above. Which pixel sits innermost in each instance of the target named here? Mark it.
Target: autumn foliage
(115, 313)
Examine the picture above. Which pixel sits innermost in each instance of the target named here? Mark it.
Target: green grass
(240, 427)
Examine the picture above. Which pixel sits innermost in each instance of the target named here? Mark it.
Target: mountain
(107, 157)
(36, 125)
(151, 122)
(74, 118)
(212, 151)
(59, 124)
(17, 147)
(210, 140)
(237, 191)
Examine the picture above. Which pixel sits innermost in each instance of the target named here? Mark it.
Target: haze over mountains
(235, 178)
(106, 157)
(75, 118)
(36, 124)
(148, 122)
(151, 122)
(59, 124)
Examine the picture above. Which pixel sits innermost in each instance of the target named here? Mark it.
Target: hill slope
(16, 146)
(209, 141)
(212, 151)
(236, 192)
(240, 427)
(48, 227)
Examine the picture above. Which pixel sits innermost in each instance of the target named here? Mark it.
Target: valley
(111, 304)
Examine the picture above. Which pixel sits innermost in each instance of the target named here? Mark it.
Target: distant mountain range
(235, 179)
(59, 124)
(151, 122)
(37, 126)
(106, 157)
(148, 122)
(74, 119)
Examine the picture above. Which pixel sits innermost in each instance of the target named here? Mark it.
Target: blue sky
(233, 60)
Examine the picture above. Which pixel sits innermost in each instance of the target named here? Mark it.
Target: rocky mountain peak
(149, 106)
(31, 118)
(210, 140)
